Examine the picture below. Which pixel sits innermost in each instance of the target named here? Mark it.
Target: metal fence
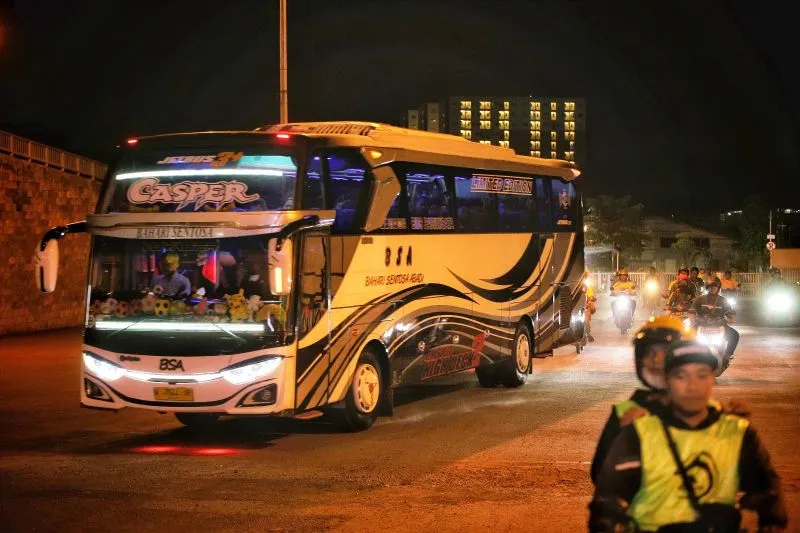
(749, 282)
(50, 157)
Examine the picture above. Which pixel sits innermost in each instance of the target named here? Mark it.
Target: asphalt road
(454, 457)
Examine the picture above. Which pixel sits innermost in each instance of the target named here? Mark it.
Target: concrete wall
(34, 198)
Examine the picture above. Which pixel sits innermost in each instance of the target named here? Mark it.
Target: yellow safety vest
(622, 407)
(710, 456)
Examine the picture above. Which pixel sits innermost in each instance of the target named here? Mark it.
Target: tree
(753, 229)
(615, 222)
(688, 250)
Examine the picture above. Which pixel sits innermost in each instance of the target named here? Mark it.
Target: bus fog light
(94, 391)
(251, 370)
(263, 396)
(102, 368)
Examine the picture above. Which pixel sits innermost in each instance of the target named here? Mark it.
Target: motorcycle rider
(695, 278)
(682, 276)
(683, 293)
(591, 307)
(728, 283)
(714, 305)
(640, 485)
(652, 289)
(624, 285)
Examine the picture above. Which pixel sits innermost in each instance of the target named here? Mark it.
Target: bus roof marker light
(132, 141)
(375, 154)
(283, 136)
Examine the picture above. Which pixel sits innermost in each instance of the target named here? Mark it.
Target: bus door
(312, 286)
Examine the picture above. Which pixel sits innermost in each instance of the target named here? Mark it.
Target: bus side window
(476, 211)
(516, 212)
(347, 175)
(564, 205)
(312, 185)
(543, 220)
(430, 203)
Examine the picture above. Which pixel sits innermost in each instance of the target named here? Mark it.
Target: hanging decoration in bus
(501, 184)
(185, 193)
(564, 203)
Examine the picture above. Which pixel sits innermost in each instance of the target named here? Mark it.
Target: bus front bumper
(268, 394)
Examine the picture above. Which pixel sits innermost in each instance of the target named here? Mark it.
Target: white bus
(314, 267)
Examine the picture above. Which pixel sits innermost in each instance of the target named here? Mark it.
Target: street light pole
(284, 92)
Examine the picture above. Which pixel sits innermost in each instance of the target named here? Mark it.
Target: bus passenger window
(312, 185)
(516, 212)
(543, 221)
(476, 211)
(565, 209)
(430, 204)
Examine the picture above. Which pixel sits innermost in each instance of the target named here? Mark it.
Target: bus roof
(372, 134)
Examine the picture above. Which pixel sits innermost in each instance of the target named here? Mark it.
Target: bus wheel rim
(366, 388)
(523, 352)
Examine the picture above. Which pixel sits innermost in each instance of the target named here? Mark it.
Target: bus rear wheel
(515, 371)
(363, 396)
(197, 420)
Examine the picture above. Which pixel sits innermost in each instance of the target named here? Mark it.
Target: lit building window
(504, 144)
(466, 124)
(553, 106)
(536, 106)
(572, 145)
(466, 114)
(485, 142)
(536, 145)
(569, 135)
(553, 145)
(553, 115)
(536, 153)
(536, 135)
(485, 124)
(467, 134)
(503, 124)
(569, 106)
(486, 104)
(504, 115)
(485, 115)
(553, 155)
(553, 135)
(505, 135)
(466, 104)
(569, 115)
(569, 126)
(536, 125)
(506, 106)
(569, 156)
(536, 115)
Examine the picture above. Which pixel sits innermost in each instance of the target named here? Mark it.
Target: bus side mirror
(279, 266)
(384, 190)
(46, 265)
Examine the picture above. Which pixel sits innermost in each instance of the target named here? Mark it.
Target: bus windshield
(199, 297)
(261, 178)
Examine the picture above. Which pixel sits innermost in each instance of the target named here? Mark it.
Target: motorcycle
(652, 296)
(622, 309)
(711, 332)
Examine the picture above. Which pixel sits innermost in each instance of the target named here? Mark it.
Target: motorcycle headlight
(781, 302)
(732, 301)
(251, 370)
(652, 286)
(102, 368)
(623, 303)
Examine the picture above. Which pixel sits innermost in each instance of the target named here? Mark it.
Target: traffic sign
(770, 236)
(770, 245)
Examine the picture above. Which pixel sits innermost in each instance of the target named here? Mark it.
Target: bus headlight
(102, 368)
(251, 370)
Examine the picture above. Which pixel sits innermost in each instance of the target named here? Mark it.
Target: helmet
(683, 269)
(715, 281)
(649, 347)
(691, 351)
(622, 271)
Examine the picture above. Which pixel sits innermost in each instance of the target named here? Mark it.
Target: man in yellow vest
(642, 483)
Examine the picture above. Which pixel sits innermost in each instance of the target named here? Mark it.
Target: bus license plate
(173, 394)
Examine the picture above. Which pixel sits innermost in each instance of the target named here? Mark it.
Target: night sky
(690, 105)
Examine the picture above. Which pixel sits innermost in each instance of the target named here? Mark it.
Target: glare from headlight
(652, 286)
(105, 370)
(251, 372)
(623, 303)
(711, 340)
(732, 301)
(780, 302)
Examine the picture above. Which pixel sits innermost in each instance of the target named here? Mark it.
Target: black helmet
(652, 340)
(683, 269)
(714, 282)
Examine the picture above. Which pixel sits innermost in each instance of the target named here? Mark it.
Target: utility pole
(284, 92)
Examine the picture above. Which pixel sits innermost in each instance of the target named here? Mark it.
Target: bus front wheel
(197, 420)
(516, 368)
(363, 396)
